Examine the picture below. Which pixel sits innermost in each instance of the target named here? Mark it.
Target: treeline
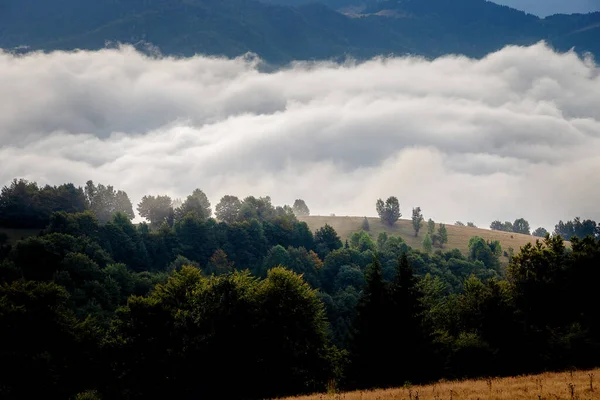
(255, 305)
(577, 227)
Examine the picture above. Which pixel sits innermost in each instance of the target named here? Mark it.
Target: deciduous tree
(228, 209)
(389, 212)
(156, 209)
(430, 226)
(442, 235)
(300, 208)
(417, 220)
(521, 226)
(197, 203)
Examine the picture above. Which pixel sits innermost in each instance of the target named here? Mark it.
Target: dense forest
(251, 304)
(280, 33)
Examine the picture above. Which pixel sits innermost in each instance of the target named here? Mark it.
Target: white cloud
(514, 134)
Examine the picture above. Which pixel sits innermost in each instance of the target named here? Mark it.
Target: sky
(544, 8)
(515, 134)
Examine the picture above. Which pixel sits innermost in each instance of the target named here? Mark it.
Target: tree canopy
(92, 307)
(389, 212)
(300, 208)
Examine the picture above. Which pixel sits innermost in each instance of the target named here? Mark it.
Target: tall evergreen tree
(427, 243)
(365, 225)
(368, 342)
(410, 340)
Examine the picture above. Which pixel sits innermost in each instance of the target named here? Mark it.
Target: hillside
(543, 386)
(458, 236)
(281, 33)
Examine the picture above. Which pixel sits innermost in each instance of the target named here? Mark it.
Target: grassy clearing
(458, 236)
(578, 385)
(18, 234)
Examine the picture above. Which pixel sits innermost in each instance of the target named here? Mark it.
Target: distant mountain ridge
(281, 33)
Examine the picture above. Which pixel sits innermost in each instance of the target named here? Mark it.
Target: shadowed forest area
(252, 304)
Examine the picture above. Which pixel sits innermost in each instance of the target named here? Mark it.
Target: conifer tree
(410, 341)
(368, 344)
(365, 225)
(427, 243)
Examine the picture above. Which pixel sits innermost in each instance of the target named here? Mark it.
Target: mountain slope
(280, 33)
(458, 236)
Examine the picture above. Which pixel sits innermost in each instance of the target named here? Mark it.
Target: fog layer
(514, 134)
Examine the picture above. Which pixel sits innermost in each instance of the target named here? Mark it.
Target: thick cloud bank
(514, 134)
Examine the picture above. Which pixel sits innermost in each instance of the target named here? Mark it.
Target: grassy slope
(18, 234)
(544, 386)
(458, 236)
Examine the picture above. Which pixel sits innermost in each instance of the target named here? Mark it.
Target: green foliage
(381, 240)
(228, 209)
(365, 225)
(427, 243)
(88, 395)
(540, 232)
(277, 256)
(362, 241)
(521, 226)
(42, 339)
(260, 209)
(90, 311)
(196, 238)
(367, 344)
(378, 340)
(156, 209)
(326, 241)
(281, 315)
(300, 208)
(486, 252)
(104, 201)
(417, 220)
(24, 205)
(578, 228)
(349, 276)
(471, 28)
(506, 226)
(389, 212)
(196, 204)
(219, 264)
(442, 235)
(430, 226)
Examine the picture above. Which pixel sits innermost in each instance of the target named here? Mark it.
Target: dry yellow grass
(578, 385)
(458, 236)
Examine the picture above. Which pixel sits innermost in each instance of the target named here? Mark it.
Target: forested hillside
(184, 305)
(458, 236)
(280, 33)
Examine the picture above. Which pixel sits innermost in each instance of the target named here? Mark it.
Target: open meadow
(578, 385)
(458, 236)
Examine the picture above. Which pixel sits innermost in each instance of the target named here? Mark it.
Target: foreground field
(458, 236)
(578, 385)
